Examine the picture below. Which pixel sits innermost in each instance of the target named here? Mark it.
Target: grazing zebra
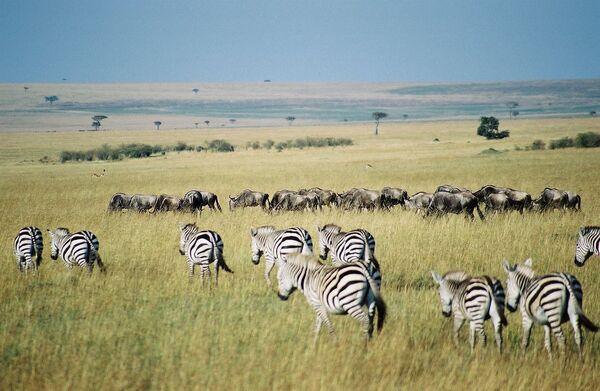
(549, 300)
(80, 248)
(474, 299)
(332, 289)
(202, 248)
(276, 245)
(28, 243)
(588, 243)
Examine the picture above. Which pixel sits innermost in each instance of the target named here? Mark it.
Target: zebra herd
(353, 281)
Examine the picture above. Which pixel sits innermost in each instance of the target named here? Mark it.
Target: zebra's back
(546, 297)
(27, 244)
(291, 240)
(204, 247)
(355, 245)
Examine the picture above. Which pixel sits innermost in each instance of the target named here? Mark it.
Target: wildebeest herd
(354, 278)
(445, 199)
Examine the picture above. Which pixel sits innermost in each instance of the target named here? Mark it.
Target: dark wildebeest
(143, 202)
(574, 201)
(118, 201)
(499, 202)
(452, 189)
(194, 200)
(167, 203)
(367, 199)
(328, 197)
(278, 196)
(394, 196)
(295, 202)
(315, 202)
(552, 198)
(518, 200)
(419, 201)
(249, 198)
(445, 202)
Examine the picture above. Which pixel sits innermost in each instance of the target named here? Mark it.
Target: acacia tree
(196, 124)
(512, 105)
(232, 120)
(378, 116)
(96, 121)
(593, 113)
(195, 90)
(207, 122)
(157, 124)
(290, 119)
(488, 128)
(51, 98)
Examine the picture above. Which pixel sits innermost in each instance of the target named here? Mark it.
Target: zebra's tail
(223, 264)
(584, 320)
(497, 294)
(100, 263)
(379, 303)
(217, 204)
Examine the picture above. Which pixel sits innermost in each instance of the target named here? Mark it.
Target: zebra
(80, 248)
(202, 248)
(338, 290)
(276, 245)
(474, 299)
(588, 243)
(27, 244)
(548, 300)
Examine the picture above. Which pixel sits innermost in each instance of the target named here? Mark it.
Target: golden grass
(144, 326)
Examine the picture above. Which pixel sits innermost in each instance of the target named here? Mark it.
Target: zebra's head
(518, 278)
(259, 240)
(584, 248)
(326, 233)
(187, 230)
(446, 288)
(57, 236)
(285, 282)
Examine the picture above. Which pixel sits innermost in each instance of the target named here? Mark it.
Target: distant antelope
(96, 175)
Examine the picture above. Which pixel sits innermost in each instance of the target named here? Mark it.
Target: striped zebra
(474, 299)
(548, 300)
(276, 245)
(332, 289)
(27, 244)
(588, 243)
(202, 248)
(80, 248)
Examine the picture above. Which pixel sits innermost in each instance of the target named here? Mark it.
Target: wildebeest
(328, 197)
(497, 202)
(419, 201)
(314, 199)
(118, 201)
(363, 199)
(517, 200)
(167, 203)
(552, 198)
(445, 202)
(143, 202)
(394, 196)
(574, 201)
(249, 198)
(194, 200)
(294, 202)
(452, 189)
(278, 196)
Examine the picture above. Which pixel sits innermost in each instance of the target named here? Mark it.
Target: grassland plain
(142, 325)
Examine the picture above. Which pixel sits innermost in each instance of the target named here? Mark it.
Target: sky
(118, 41)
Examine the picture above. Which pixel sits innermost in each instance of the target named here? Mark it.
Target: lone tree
(404, 116)
(157, 124)
(207, 122)
(196, 124)
(378, 116)
(96, 121)
(232, 120)
(290, 119)
(512, 105)
(593, 113)
(195, 90)
(51, 98)
(488, 128)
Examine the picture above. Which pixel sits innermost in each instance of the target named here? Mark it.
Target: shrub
(537, 145)
(488, 128)
(252, 145)
(268, 144)
(180, 146)
(565, 142)
(220, 146)
(587, 140)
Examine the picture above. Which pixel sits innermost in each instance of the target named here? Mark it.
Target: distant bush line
(300, 143)
(582, 140)
(136, 151)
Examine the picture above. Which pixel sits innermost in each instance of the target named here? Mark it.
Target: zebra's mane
(265, 229)
(332, 227)
(302, 260)
(527, 271)
(455, 276)
(191, 226)
(61, 231)
(587, 229)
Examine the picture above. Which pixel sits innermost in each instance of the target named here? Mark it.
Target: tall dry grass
(142, 325)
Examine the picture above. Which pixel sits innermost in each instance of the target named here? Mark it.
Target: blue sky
(326, 40)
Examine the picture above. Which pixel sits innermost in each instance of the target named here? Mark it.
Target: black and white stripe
(548, 300)
(202, 248)
(588, 243)
(332, 289)
(474, 299)
(276, 245)
(28, 243)
(77, 249)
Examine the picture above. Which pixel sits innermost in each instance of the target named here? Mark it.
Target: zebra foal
(549, 300)
(474, 299)
(27, 244)
(202, 248)
(332, 289)
(76, 249)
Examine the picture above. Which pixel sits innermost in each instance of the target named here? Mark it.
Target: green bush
(268, 144)
(587, 140)
(538, 145)
(565, 142)
(220, 146)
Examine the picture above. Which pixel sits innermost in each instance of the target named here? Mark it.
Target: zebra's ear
(182, 226)
(528, 262)
(319, 228)
(582, 231)
(506, 266)
(436, 277)
(253, 231)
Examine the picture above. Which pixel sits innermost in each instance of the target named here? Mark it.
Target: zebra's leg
(527, 325)
(547, 340)
(318, 324)
(560, 337)
(473, 328)
(268, 267)
(205, 273)
(458, 323)
(358, 314)
(498, 332)
(191, 270)
(574, 318)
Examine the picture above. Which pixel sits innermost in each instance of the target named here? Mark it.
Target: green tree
(488, 128)
(378, 116)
